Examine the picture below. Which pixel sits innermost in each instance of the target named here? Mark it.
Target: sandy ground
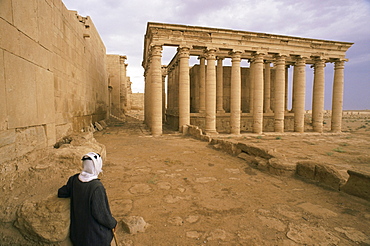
(192, 194)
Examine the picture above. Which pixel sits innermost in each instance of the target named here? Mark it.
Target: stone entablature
(248, 43)
(211, 46)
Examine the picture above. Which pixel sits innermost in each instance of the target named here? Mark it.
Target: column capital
(211, 54)
(122, 59)
(258, 57)
(280, 59)
(236, 54)
(300, 61)
(339, 64)
(184, 52)
(156, 50)
(319, 62)
(164, 70)
(201, 57)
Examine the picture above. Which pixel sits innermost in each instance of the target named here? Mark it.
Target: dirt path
(191, 194)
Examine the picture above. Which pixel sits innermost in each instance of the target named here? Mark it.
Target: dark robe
(91, 219)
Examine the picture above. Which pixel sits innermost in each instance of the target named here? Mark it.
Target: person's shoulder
(96, 183)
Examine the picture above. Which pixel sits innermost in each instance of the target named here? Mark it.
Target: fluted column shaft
(337, 101)
(211, 92)
(184, 88)
(156, 90)
(202, 85)
(286, 86)
(147, 96)
(176, 88)
(258, 94)
(299, 94)
(318, 96)
(251, 85)
(169, 89)
(235, 93)
(267, 89)
(220, 86)
(164, 74)
(279, 87)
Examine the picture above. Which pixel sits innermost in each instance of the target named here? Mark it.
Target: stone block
(7, 137)
(45, 96)
(9, 38)
(29, 139)
(329, 176)
(21, 90)
(7, 153)
(254, 150)
(98, 126)
(358, 184)
(318, 172)
(45, 28)
(281, 167)
(25, 17)
(6, 11)
(306, 169)
(134, 224)
(50, 134)
(3, 112)
(44, 221)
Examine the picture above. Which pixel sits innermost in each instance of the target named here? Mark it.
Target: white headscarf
(92, 165)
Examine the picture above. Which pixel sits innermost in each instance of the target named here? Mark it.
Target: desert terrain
(189, 193)
(178, 190)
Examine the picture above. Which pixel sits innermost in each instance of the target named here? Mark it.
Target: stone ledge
(320, 173)
(358, 184)
(270, 161)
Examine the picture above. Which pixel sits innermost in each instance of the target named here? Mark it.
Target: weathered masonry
(231, 99)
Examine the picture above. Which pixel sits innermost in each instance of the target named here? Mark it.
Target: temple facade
(233, 99)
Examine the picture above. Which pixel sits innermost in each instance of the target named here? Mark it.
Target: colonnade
(266, 95)
(211, 90)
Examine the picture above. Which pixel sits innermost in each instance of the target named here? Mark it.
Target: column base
(213, 132)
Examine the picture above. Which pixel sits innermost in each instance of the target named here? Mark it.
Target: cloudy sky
(122, 25)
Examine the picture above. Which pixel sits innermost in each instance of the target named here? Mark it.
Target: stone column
(184, 88)
(318, 96)
(286, 86)
(251, 85)
(337, 102)
(123, 88)
(202, 85)
(164, 74)
(147, 96)
(279, 87)
(176, 88)
(220, 86)
(235, 93)
(267, 89)
(299, 92)
(211, 92)
(258, 94)
(156, 90)
(169, 89)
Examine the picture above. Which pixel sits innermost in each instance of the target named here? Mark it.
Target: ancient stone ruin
(231, 99)
(58, 86)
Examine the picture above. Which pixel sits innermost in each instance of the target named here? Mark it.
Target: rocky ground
(188, 193)
(182, 191)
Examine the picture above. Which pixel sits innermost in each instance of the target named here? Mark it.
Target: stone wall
(137, 101)
(53, 76)
(119, 85)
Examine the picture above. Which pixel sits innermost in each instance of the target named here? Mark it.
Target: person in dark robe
(92, 222)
